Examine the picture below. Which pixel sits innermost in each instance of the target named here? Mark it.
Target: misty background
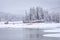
(17, 8)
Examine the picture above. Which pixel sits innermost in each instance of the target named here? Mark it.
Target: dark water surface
(23, 34)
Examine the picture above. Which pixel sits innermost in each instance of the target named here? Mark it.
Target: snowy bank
(31, 25)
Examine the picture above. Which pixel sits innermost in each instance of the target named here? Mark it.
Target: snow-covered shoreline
(31, 25)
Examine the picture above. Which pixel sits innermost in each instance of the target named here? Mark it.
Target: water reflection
(23, 34)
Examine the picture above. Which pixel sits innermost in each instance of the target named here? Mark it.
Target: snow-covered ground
(31, 25)
(12, 22)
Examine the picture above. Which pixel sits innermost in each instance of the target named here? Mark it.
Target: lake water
(23, 34)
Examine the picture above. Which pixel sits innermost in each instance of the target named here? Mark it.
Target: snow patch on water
(52, 35)
(53, 30)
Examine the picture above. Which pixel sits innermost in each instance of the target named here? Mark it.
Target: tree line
(39, 13)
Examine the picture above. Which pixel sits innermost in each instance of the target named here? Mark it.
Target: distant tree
(30, 15)
(57, 17)
(42, 13)
(37, 12)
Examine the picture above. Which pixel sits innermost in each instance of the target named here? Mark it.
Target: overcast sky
(19, 6)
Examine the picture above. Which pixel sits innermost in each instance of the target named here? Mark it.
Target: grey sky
(19, 6)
